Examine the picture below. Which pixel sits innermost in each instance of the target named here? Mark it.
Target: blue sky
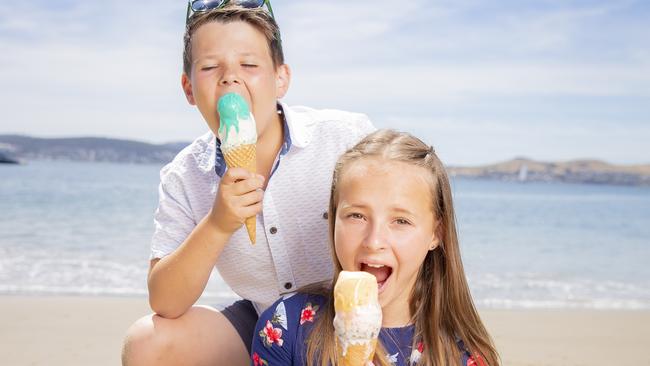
(483, 81)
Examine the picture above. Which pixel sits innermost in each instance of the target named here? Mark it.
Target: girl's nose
(376, 240)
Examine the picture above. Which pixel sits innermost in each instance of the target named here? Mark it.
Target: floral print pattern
(271, 335)
(416, 354)
(475, 360)
(307, 314)
(285, 326)
(258, 361)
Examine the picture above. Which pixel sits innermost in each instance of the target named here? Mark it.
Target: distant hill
(578, 171)
(24, 148)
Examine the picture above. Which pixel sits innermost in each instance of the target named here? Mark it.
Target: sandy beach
(89, 330)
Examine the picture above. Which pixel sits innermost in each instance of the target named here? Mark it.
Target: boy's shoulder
(196, 158)
(312, 115)
(306, 122)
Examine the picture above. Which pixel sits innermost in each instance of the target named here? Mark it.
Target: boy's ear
(282, 80)
(186, 84)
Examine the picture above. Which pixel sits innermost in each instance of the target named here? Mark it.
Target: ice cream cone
(357, 354)
(244, 156)
(238, 135)
(358, 318)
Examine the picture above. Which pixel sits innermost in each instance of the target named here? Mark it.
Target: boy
(203, 205)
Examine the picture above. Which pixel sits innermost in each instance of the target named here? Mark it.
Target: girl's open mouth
(380, 271)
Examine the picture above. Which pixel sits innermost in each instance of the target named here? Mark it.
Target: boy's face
(234, 57)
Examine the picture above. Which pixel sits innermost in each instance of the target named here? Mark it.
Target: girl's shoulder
(467, 359)
(281, 329)
(293, 310)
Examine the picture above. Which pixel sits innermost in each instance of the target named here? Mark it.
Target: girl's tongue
(381, 273)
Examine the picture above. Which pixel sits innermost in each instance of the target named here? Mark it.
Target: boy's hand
(239, 196)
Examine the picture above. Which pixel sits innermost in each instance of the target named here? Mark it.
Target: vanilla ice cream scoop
(358, 318)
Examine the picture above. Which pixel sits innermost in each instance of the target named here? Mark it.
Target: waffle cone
(244, 157)
(357, 354)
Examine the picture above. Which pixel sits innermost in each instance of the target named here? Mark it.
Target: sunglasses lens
(203, 5)
(249, 3)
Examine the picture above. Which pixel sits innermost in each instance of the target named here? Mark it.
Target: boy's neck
(268, 145)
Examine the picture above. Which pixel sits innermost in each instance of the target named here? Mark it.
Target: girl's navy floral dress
(281, 331)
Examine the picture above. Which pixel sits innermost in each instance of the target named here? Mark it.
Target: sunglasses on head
(199, 6)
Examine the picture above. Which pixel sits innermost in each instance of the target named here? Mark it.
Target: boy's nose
(229, 77)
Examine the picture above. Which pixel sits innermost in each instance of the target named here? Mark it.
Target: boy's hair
(440, 301)
(258, 18)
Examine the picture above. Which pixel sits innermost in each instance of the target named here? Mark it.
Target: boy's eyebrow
(216, 55)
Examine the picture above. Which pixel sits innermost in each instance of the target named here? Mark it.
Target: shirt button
(325, 216)
(288, 285)
(273, 230)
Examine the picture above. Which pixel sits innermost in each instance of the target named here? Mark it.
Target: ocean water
(84, 228)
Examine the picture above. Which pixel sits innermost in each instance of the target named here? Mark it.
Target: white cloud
(113, 68)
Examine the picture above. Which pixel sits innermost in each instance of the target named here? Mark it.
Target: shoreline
(83, 330)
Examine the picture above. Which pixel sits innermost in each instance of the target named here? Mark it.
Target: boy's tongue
(380, 273)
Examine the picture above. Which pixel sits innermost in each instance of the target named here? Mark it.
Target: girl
(391, 215)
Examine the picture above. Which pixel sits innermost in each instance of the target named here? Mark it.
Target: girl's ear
(434, 243)
(435, 238)
(282, 80)
(186, 84)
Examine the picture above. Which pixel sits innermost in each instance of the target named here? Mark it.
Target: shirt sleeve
(173, 220)
(365, 126)
(273, 339)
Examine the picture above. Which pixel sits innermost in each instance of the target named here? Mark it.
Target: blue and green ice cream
(236, 122)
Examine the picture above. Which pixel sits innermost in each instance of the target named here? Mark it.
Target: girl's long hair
(440, 303)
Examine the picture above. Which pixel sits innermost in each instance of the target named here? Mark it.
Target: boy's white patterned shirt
(292, 248)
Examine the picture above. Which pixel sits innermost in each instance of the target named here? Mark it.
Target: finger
(252, 210)
(233, 175)
(248, 185)
(251, 198)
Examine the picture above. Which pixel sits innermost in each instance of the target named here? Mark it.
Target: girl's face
(384, 225)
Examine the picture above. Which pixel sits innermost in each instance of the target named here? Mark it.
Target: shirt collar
(220, 162)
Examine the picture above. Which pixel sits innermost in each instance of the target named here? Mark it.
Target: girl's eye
(355, 215)
(207, 68)
(401, 221)
(249, 65)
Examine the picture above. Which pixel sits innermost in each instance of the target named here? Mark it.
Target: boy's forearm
(178, 280)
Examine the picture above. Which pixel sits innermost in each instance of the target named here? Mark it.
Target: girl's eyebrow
(348, 205)
(402, 210)
(399, 209)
